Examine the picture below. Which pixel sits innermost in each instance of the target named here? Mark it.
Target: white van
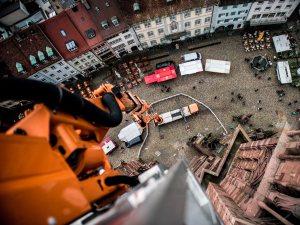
(191, 57)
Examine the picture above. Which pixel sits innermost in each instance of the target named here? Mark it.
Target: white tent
(130, 132)
(217, 66)
(281, 43)
(283, 72)
(190, 67)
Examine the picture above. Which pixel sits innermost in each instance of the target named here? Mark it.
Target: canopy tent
(283, 72)
(281, 43)
(161, 75)
(190, 67)
(217, 66)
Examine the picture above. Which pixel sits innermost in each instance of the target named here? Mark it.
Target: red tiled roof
(84, 25)
(52, 28)
(13, 51)
(106, 14)
(151, 9)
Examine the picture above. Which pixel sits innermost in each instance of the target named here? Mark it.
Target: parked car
(133, 142)
(191, 57)
(164, 64)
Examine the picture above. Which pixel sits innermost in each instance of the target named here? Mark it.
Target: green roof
(49, 51)
(19, 67)
(32, 60)
(41, 55)
(5, 35)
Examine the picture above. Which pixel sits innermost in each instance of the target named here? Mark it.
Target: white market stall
(283, 72)
(190, 67)
(217, 66)
(281, 43)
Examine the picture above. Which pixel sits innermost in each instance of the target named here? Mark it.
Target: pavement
(241, 80)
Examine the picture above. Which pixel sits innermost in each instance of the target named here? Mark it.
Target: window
(52, 75)
(66, 75)
(36, 76)
(115, 21)
(90, 33)
(86, 53)
(82, 18)
(265, 16)
(144, 45)
(141, 36)
(209, 9)
(127, 36)
(281, 1)
(45, 71)
(173, 17)
(58, 78)
(87, 64)
(271, 2)
(71, 46)
(61, 63)
(235, 6)
(187, 14)
(207, 20)
(257, 10)
(107, 4)
(81, 67)
(280, 14)
(242, 12)
(240, 18)
(153, 43)
(257, 16)
(272, 15)
(245, 5)
(43, 79)
(104, 24)
(174, 26)
(59, 71)
(292, 1)
(53, 67)
(267, 8)
(83, 60)
(198, 32)
(94, 61)
(230, 20)
(260, 3)
(188, 33)
(158, 21)
(278, 7)
(150, 34)
(97, 9)
(130, 42)
(206, 29)
(187, 24)
(161, 31)
(198, 11)
(115, 41)
(63, 33)
(137, 27)
(222, 14)
(90, 56)
(224, 8)
(232, 13)
(235, 19)
(288, 6)
(197, 22)
(163, 40)
(227, 20)
(67, 67)
(50, 7)
(221, 21)
(147, 25)
(44, 1)
(76, 63)
(72, 71)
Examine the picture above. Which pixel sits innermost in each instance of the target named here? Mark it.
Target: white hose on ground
(173, 97)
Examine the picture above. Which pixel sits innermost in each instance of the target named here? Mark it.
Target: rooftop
(60, 30)
(83, 22)
(9, 7)
(99, 13)
(152, 9)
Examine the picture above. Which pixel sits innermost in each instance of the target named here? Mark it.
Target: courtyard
(240, 80)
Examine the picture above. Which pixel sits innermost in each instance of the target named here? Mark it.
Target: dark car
(133, 142)
(164, 64)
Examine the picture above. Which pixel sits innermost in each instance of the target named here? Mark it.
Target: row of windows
(234, 6)
(162, 32)
(276, 8)
(163, 40)
(231, 20)
(268, 15)
(233, 13)
(115, 41)
(272, 1)
(173, 17)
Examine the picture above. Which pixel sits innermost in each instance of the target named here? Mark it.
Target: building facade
(12, 12)
(271, 12)
(166, 21)
(45, 5)
(229, 17)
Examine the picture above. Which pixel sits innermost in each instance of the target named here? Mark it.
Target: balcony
(268, 21)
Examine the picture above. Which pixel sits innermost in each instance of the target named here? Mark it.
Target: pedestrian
(280, 99)
(215, 97)
(168, 89)
(162, 90)
(194, 87)
(232, 93)
(289, 103)
(126, 120)
(231, 100)
(247, 60)
(256, 90)
(233, 118)
(269, 78)
(231, 127)
(244, 103)
(294, 113)
(251, 124)
(259, 77)
(255, 75)
(164, 86)
(259, 101)
(259, 108)
(295, 101)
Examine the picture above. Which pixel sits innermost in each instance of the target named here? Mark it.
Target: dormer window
(169, 2)
(71, 46)
(97, 9)
(50, 53)
(42, 57)
(63, 33)
(107, 4)
(24, 36)
(33, 61)
(105, 25)
(136, 8)
(115, 21)
(90, 33)
(20, 68)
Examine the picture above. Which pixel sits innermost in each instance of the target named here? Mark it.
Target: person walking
(280, 99)
(194, 87)
(289, 103)
(244, 103)
(259, 101)
(215, 97)
(168, 89)
(259, 108)
(256, 90)
(259, 77)
(231, 100)
(232, 93)
(269, 78)
(296, 101)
